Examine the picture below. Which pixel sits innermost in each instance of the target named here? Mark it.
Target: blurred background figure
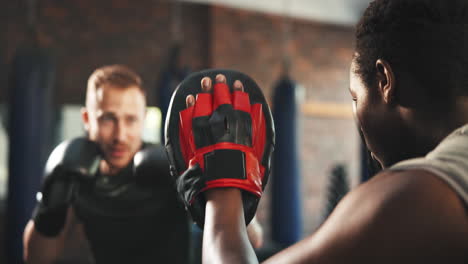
(109, 194)
(49, 48)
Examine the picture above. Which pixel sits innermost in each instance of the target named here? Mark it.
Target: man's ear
(85, 118)
(386, 81)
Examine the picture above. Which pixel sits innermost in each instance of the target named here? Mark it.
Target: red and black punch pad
(192, 86)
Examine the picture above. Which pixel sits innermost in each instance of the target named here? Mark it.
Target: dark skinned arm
(397, 217)
(225, 237)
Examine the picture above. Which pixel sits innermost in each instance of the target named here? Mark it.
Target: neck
(461, 106)
(106, 169)
(449, 118)
(433, 125)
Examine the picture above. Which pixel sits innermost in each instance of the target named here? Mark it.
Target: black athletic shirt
(133, 220)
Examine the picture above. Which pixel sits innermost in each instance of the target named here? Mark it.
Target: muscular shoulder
(416, 192)
(397, 217)
(410, 215)
(413, 188)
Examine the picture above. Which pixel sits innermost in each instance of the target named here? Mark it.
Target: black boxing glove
(70, 162)
(226, 140)
(151, 166)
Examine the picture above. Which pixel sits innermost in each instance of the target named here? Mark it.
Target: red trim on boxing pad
(203, 105)
(241, 101)
(262, 171)
(260, 145)
(221, 95)
(185, 134)
(199, 153)
(223, 145)
(253, 169)
(234, 183)
(183, 146)
(259, 130)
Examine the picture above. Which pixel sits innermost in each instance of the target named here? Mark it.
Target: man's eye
(106, 118)
(131, 119)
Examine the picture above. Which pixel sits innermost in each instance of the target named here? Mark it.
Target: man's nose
(120, 131)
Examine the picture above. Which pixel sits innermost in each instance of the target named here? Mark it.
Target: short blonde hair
(119, 76)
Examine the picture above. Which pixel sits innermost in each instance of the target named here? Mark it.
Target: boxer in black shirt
(117, 188)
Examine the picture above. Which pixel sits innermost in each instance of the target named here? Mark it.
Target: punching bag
(30, 83)
(337, 188)
(171, 75)
(286, 204)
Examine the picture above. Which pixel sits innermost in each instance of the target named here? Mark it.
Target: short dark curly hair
(426, 40)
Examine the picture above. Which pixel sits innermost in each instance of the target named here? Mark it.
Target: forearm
(255, 233)
(225, 237)
(39, 248)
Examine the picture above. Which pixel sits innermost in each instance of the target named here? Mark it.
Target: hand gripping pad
(225, 140)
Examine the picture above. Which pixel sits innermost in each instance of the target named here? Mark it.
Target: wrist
(50, 221)
(225, 238)
(223, 195)
(224, 205)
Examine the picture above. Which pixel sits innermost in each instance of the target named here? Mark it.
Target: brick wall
(84, 35)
